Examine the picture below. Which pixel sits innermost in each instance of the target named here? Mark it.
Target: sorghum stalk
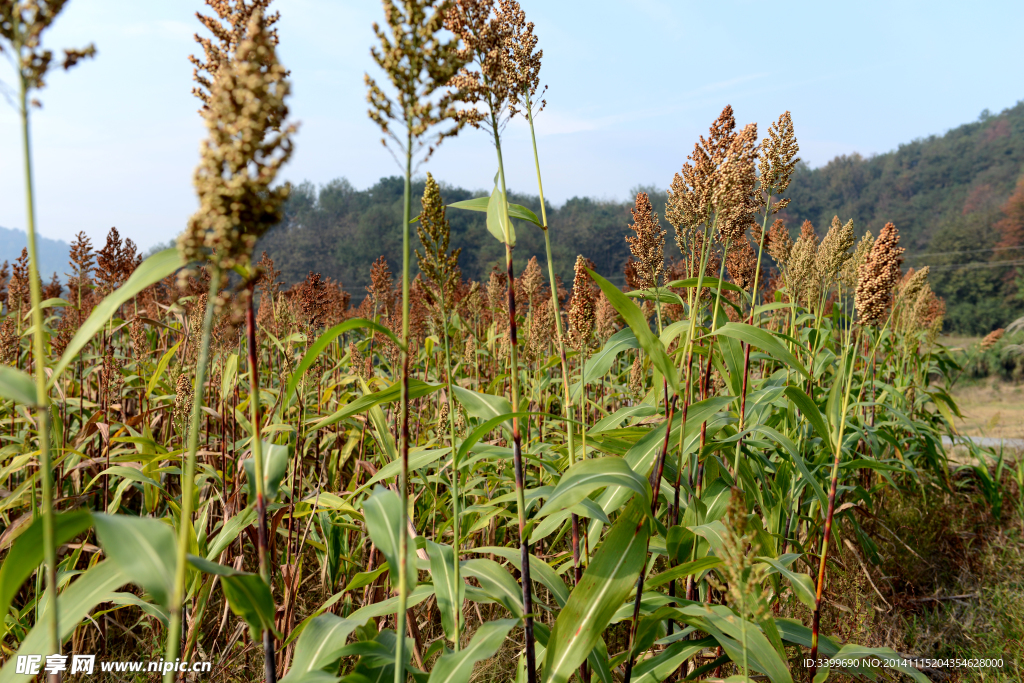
(188, 478)
(838, 447)
(270, 667)
(403, 473)
(553, 285)
(42, 395)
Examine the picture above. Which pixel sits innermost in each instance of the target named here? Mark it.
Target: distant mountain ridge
(53, 254)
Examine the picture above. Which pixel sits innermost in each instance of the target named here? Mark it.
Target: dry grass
(991, 408)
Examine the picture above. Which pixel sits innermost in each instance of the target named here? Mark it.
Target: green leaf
(517, 211)
(248, 594)
(26, 554)
(449, 596)
(731, 631)
(323, 341)
(457, 667)
(417, 389)
(607, 582)
(763, 340)
(802, 585)
(540, 570)
(810, 411)
(143, 549)
(637, 321)
(587, 476)
(152, 270)
(161, 367)
(275, 466)
(17, 386)
(483, 406)
(695, 567)
(74, 604)
(496, 583)
(661, 666)
(598, 366)
(321, 638)
(496, 219)
(383, 514)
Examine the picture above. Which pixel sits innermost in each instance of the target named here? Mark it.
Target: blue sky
(632, 85)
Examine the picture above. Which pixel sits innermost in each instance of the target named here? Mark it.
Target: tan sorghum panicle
(246, 147)
(744, 579)
(922, 308)
(911, 285)
(442, 417)
(801, 275)
(182, 402)
(990, 339)
(418, 65)
(607, 318)
(541, 330)
(691, 190)
(878, 275)
(434, 231)
(834, 250)
(848, 276)
(368, 368)
(636, 377)
(779, 244)
(581, 308)
(382, 287)
(648, 244)
(228, 29)
(9, 342)
(522, 58)
(778, 160)
(741, 263)
(355, 360)
(18, 287)
(111, 376)
(496, 290)
(529, 283)
(313, 303)
(138, 336)
(469, 351)
(735, 198)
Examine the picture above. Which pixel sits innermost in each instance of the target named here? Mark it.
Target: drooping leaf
(316, 648)
(143, 550)
(637, 321)
(27, 553)
(248, 594)
(763, 340)
(607, 581)
(417, 389)
(383, 513)
(17, 386)
(449, 596)
(457, 667)
(587, 476)
(803, 586)
(275, 466)
(73, 605)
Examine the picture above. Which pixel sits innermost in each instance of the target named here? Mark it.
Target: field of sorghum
(592, 484)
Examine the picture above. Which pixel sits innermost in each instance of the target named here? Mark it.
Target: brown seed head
(877, 276)
(848, 276)
(734, 197)
(418, 64)
(801, 275)
(834, 250)
(522, 58)
(990, 339)
(439, 267)
(246, 146)
(581, 308)
(9, 342)
(382, 288)
(778, 160)
(648, 244)
(22, 24)
(779, 244)
(741, 262)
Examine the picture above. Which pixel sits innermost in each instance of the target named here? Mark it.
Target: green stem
(39, 365)
(553, 285)
(403, 475)
(517, 456)
(188, 477)
(456, 527)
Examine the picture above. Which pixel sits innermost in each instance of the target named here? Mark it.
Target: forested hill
(949, 196)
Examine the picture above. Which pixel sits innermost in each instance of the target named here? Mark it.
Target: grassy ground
(991, 407)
